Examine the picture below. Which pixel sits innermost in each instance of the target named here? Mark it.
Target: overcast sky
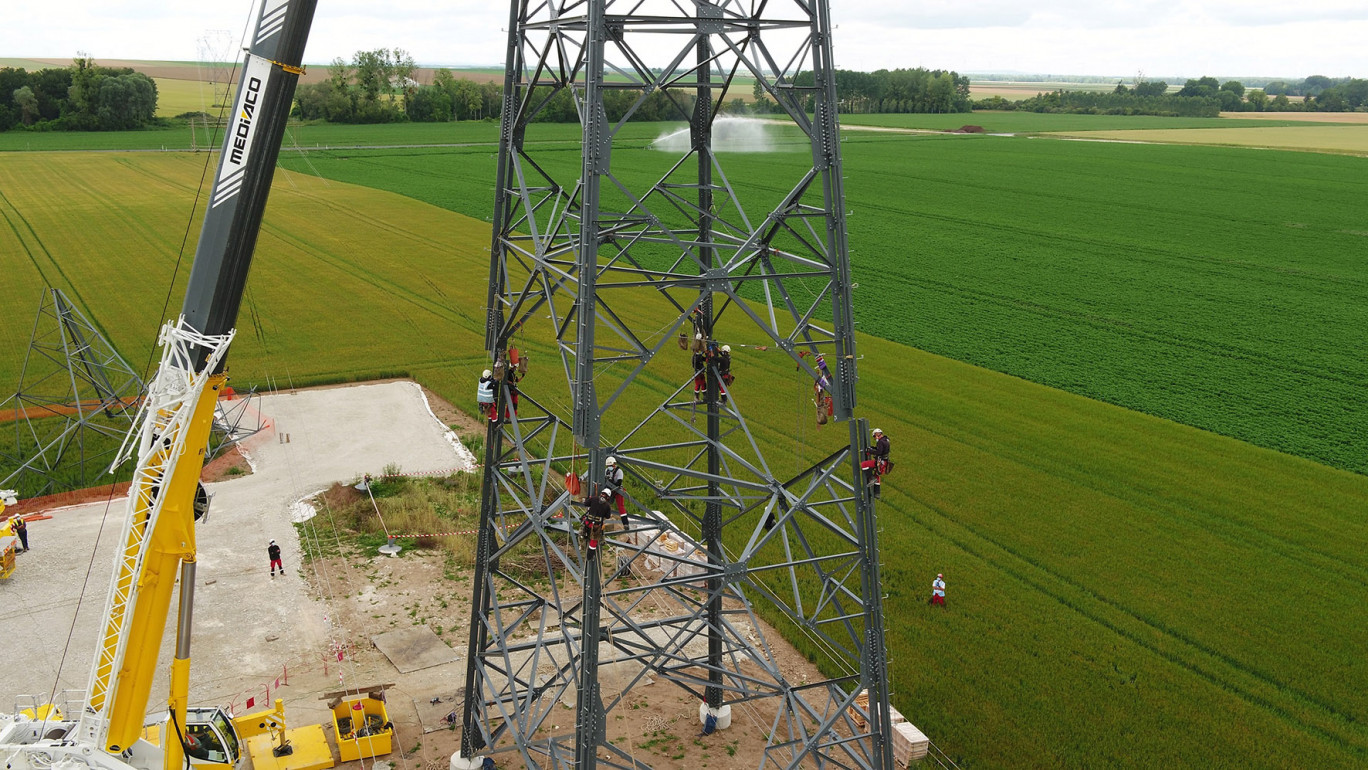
(1161, 38)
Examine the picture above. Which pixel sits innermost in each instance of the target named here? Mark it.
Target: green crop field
(176, 96)
(1125, 591)
(995, 122)
(1221, 288)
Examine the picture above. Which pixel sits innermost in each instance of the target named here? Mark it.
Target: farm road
(334, 434)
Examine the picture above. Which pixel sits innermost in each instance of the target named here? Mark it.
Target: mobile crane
(170, 440)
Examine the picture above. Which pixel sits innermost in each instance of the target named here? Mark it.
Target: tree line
(1198, 97)
(899, 90)
(378, 87)
(81, 97)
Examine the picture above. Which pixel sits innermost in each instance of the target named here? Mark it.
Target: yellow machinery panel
(363, 728)
(7, 546)
(310, 750)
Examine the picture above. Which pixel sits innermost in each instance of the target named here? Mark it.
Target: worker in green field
(938, 590)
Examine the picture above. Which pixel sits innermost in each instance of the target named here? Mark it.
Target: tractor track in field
(1115, 325)
(15, 219)
(1227, 530)
(979, 545)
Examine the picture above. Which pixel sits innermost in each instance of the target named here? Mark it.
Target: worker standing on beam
(484, 395)
(612, 482)
(597, 511)
(878, 463)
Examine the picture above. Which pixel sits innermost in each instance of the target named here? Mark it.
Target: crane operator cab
(210, 738)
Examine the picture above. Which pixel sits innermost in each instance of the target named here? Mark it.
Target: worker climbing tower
(623, 259)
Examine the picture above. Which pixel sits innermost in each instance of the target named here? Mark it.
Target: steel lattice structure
(604, 254)
(73, 384)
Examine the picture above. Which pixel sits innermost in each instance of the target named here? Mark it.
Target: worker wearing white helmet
(878, 463)
(938, 590)
(484, 394)
(612, 482)
(724, 371)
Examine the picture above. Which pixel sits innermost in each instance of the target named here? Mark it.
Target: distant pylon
(73, 388)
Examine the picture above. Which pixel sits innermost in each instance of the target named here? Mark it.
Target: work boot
(877, 489)
(625, 525)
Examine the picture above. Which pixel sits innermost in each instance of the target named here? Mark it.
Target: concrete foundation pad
(411, 649)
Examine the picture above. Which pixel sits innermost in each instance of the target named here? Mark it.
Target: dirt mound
(968, 130)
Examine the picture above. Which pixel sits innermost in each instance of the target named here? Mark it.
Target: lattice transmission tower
(610, 253)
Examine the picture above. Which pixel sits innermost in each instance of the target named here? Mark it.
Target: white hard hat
(611, 461)
(726, 348)
(698, 336)
(939, 575)
(878, 432)
(272, 542)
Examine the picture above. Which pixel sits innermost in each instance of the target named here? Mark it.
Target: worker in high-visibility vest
(938, 590)
(484, 394)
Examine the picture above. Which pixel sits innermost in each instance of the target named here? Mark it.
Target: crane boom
(173, 430)
(176, 417)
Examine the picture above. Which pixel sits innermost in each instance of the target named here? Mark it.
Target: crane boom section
(178, 413)
(158, 534)
(246, 165)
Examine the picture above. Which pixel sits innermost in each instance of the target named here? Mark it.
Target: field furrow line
(11, 214)
(21, 226)
(1225, 529)
(980, 546)
(1148, 254)
(1209, 347)
(355, 268)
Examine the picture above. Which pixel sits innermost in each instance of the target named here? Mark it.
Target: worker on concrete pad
(20, 528)
(877, 463)
(484, 395)
(938, 590)
(612, 481)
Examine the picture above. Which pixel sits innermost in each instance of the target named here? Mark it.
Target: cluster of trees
(81, 97)
(1138, 101)
(374, 87)
(1199, 97)
(900, 90)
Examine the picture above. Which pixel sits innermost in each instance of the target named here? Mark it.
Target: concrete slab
(414, 648)
(248, 626)
(432, 716)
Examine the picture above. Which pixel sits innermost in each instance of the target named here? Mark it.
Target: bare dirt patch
(368, 595)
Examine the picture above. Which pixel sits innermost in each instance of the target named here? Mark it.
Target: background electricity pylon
(606, 251)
